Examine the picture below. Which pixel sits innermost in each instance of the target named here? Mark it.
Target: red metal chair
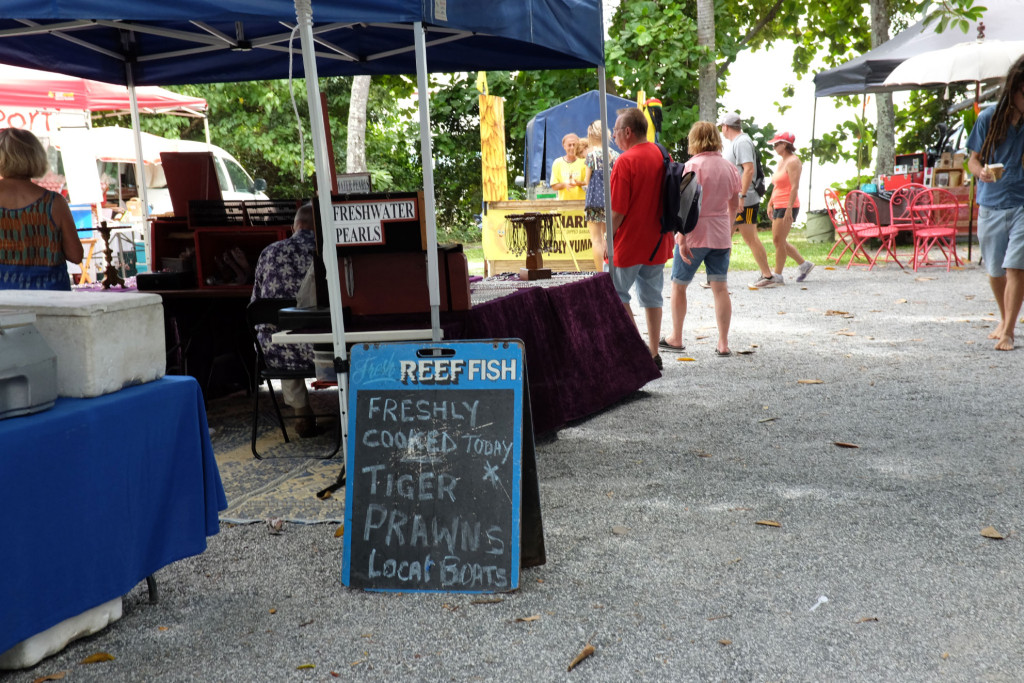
(935, 213)
(862, 213)
(840, 223)
(899, 206)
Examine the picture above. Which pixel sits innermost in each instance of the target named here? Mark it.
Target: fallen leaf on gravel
(781, 312)
(945, 655)
(723, 641)
(340, 531)
(768, 419)
(767, 522)
(336, 674)
(702, 336)
(830, 267)
(306, 666)
(834, 312)
(620, 530)
(866, 619)
(587, 650)
(844, 333)
(52, 677)
(535, 617)
(486, 601)
(161, 628)
(990, 532)
(923, 279)
(744, 352)
(810, 381)
(901, 301)
(843, 444)
(98, 657)
(681, 358)
(273, 611)
(968, 296)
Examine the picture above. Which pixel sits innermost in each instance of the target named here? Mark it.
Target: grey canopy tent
(867, 73)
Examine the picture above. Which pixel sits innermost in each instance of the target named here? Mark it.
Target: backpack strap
(664, 172)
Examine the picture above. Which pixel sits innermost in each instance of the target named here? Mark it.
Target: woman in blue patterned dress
(594, 205)
(37, 231)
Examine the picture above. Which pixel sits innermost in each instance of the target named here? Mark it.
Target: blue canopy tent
(545, 130)
(155, 42)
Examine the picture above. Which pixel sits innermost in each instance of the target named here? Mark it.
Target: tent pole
(810, 164)
(140, 168)
(609, 237)
(428, 178)
(304, 19)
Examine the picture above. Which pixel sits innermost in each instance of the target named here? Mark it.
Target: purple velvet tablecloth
(583, 352)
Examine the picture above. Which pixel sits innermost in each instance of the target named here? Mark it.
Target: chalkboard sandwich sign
(434, 467)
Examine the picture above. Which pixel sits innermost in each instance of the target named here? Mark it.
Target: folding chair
(265, 312)
(936, 213)
(899, 207)
(840, 224)
(862, 212)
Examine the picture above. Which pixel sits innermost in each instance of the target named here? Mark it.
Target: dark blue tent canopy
(544, 132)
(201, 41)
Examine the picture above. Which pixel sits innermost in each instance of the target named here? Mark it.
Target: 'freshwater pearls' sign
(362, 222)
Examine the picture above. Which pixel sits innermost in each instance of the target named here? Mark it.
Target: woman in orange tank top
(784, 206)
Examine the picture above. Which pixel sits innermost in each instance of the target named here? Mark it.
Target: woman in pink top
(710, 242)
(784, 205)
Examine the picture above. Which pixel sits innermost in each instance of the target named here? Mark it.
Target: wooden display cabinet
(213, 242)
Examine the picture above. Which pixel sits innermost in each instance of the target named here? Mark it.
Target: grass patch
(740, 259)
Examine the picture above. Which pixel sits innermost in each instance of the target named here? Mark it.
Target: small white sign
(362, 222)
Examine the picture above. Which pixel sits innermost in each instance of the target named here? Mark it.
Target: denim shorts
(716, 265)
(781, 213)
(1001, 234)
(649, 282)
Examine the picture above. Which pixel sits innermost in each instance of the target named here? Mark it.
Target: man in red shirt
(636, 222)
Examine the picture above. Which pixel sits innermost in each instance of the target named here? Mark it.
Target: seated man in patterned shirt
(279, 273)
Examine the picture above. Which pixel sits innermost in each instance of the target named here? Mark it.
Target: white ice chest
(104, 341)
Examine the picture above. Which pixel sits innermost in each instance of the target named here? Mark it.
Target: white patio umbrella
(973, 62)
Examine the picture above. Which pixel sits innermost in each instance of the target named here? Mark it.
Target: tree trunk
(885, 136)
(707, 97)
(355, 161)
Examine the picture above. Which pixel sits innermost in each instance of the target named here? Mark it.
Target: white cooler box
(104, 341)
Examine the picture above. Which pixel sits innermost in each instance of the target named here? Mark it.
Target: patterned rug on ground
(284, 484)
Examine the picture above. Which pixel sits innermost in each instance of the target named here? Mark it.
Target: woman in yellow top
(784, 205)
(568, 173)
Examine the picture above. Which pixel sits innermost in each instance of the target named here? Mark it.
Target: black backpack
(759, 185)
(680, 199)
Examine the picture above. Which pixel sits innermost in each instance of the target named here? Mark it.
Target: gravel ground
(877, 570)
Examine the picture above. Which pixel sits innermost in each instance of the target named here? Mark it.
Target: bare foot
(1005, 343)
(996, 333)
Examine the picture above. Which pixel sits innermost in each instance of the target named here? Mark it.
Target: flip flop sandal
(723, 354)
(671, 347)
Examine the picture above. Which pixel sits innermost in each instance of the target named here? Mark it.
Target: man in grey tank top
(741, 153)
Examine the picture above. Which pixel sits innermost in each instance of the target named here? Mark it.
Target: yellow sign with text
(571, 249)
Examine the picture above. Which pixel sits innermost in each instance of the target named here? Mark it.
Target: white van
(114, 150)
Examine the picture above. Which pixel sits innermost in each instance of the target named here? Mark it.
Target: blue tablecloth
(96, 494)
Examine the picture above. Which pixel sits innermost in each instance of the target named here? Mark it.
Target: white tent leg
(609, 237)
(140, 167)
(428, 180)
(304, 18)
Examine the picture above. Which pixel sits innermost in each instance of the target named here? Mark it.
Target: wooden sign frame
(435, 471)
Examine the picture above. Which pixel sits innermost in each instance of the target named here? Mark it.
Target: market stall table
(99, 493)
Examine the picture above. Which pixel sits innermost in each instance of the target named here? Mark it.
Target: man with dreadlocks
(998, 139)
